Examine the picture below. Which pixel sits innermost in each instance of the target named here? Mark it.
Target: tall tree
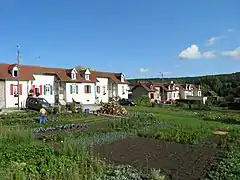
(84, 68)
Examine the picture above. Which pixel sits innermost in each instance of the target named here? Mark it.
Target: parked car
(127, 102)
(36, 103)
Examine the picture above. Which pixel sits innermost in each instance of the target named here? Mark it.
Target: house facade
(55, 84)
(165, 92)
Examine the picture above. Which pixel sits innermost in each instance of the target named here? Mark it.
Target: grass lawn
(180, 135)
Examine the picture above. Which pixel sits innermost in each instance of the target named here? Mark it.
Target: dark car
(36, 103)
(127, 102)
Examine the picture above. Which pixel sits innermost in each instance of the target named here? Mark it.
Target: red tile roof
(27, 72)
(165, 86)
(146, 85)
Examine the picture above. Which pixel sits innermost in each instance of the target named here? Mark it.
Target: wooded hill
(225, 85)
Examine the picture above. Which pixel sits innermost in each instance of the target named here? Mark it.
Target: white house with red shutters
(54, 84)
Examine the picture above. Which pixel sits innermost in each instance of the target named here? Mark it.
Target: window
(87, 89)
(42, 100)
(98, 89)
(37, 90)
(73, 89)
(15, 73)
(48, 89)
(74, 76)
(86, 76)
(15, 90)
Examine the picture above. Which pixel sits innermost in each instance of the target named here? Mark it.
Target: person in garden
(43, 114)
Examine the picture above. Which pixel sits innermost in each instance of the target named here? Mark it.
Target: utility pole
(162, 86)
(18, 74)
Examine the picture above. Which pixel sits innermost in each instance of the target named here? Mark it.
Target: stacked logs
(113, 108)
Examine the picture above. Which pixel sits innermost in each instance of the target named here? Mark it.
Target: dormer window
(122, 77)
(87, 74)
(74, 74)
(15, 72)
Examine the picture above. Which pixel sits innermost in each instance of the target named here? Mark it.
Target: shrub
(181, 105)
(63, 109)
(142, 101)
(72, 107)
(229, 98)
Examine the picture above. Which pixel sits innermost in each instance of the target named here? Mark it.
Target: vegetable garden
(149, 143)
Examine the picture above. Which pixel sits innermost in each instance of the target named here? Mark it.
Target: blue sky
(137, 37)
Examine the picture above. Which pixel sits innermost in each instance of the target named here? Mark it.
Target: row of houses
(165, 92)
(59, 84)
(83, 86)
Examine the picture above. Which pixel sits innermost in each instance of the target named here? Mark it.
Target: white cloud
(235, 54)
(143, 70)
(212, 40)
(209, 55)
(193, 52)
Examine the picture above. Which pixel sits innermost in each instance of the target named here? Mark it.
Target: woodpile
(112, 108)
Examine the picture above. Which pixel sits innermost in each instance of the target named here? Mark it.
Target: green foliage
(133, 121)
(143, 101)
(229, 98)
(63, 109)
(68, 155)
(72, 107)
(84, 68)
(227, 78)
(228, 163)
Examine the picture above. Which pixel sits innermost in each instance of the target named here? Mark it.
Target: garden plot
(172, 141)
(178, 161)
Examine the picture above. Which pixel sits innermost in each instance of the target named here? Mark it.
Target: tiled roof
(165, 86)
(146, 85)
(27, 72)
(115, 77)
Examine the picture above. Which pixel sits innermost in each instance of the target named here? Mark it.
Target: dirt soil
(178, 161)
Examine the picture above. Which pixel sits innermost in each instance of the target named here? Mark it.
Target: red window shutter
(11, 89)
(40, 89)
(33, 87)
(20, 89)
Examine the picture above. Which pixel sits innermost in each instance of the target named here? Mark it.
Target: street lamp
(18, 73)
